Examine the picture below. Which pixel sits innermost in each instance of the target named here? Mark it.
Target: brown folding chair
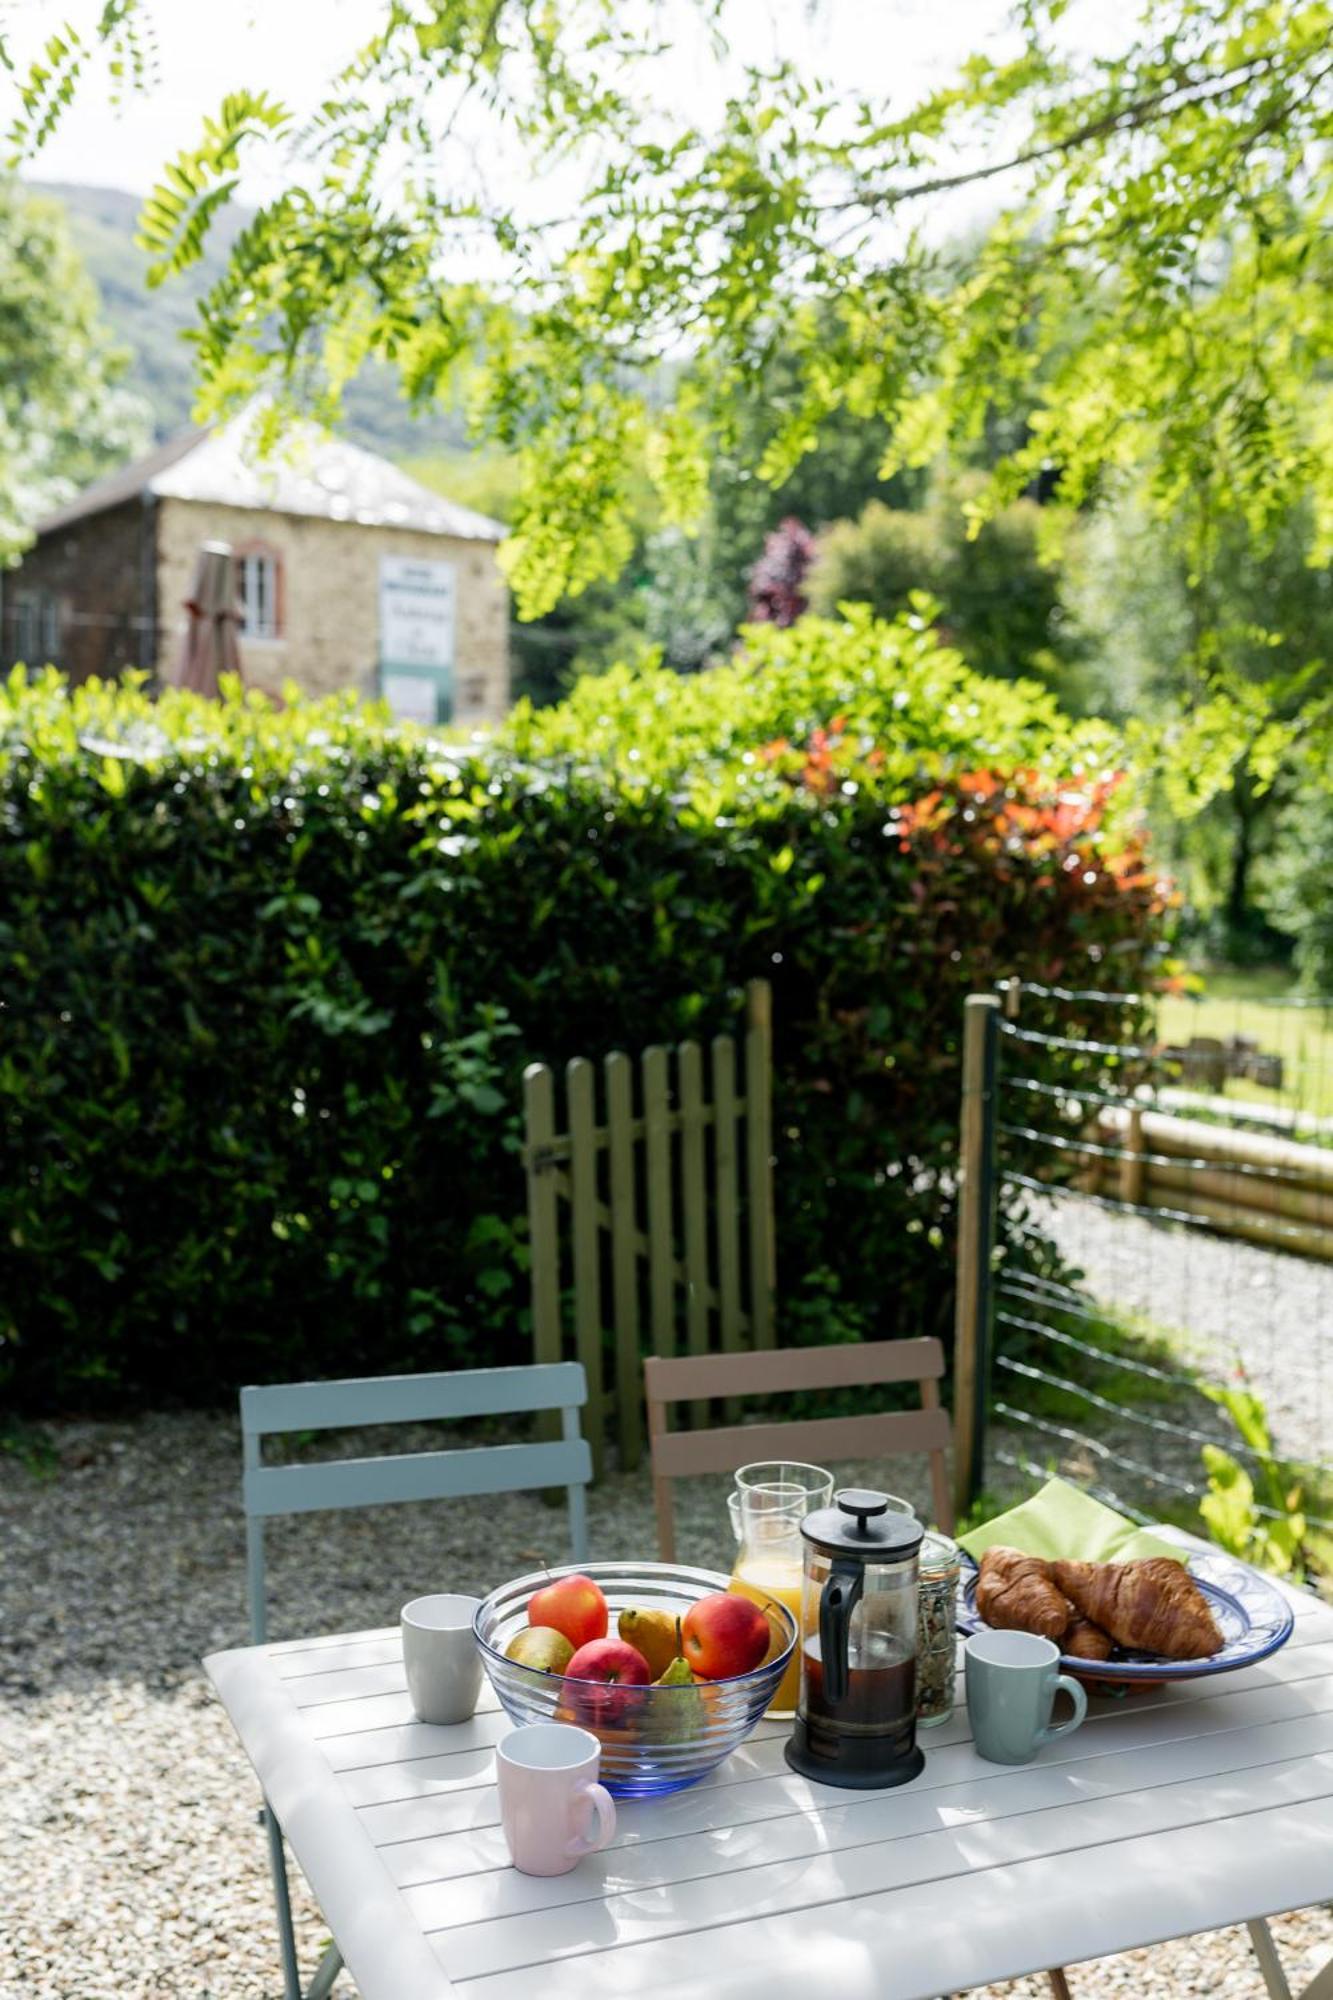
(785, 1371)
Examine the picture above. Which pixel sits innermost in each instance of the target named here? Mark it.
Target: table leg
(1059, 1984)
(329, 1967)
(291, 1978)
(1270, 1965)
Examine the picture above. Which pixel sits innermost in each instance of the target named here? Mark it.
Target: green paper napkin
(1062, 1523)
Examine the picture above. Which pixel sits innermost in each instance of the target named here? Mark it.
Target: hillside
(152, 325)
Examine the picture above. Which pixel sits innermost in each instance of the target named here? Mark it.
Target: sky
(290, 47)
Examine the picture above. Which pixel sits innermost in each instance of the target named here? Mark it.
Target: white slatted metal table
(1177, 1810)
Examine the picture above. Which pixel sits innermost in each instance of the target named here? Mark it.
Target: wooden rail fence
(651, 1214)
(1267, 1190)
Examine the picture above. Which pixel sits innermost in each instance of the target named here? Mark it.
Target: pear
(652, 1633)
(540, 1647)
(678, 1674)
(682, 1717)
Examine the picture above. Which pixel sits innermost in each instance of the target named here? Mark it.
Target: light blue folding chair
(271, 1490)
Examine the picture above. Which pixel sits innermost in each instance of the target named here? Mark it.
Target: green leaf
(1228, 1506)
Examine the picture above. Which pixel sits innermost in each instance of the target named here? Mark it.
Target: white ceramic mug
(551, 1807)
(441, 1657)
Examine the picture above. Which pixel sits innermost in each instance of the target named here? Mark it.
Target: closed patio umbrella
(208, 646)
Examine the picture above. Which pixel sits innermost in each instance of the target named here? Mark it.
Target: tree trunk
(1238, 886)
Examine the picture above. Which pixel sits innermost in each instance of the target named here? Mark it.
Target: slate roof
(310, 473)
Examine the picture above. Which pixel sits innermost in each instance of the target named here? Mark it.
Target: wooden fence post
(759, 1156)
(579, 1081)
(694, 1191)
(727, 1211)
(657, 1169)
(976, 1240)
(543, 1222)
(1131, 1159)
(619, 1073)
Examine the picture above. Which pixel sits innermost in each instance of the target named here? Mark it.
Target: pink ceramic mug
(551, 1806)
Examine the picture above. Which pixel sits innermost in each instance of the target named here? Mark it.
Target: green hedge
(270, 981)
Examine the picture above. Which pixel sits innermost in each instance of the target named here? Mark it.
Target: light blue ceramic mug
(1012, 1681)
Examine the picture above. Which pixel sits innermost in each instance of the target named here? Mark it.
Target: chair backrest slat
(401, 1399)
(421, 1475)
(784, 1371)
(680, 1454)
(332, 1484)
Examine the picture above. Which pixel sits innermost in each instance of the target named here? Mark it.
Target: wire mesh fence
(1161, 1302)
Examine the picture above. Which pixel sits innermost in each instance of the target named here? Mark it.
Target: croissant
(1153, 1606)
(1015, 1593)
(1085, 1641)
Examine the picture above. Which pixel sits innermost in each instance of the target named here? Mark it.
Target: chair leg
(329, 1967)
(291, 1977)
(1270, 1965)
(1321, 1986)
(1058, 1983)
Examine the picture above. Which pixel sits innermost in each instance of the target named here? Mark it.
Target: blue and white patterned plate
(1253, 1617)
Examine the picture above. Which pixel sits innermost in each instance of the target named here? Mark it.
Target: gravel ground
(131, 1862)
(1234, 1303)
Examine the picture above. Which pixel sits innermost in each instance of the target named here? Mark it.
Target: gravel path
(1234, 1303)
(132, 1865)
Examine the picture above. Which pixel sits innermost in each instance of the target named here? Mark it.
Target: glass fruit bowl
(654, 1739)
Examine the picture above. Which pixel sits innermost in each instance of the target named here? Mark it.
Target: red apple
(610, 1660)
(724, 1635)
(572, 1605)
(611, 1672)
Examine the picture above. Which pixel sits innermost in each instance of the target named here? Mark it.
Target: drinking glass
(806, 1487)
(771, 1500)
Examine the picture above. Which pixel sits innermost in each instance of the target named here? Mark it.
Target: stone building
(350, 574)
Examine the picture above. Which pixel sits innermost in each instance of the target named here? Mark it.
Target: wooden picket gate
(664, 1202)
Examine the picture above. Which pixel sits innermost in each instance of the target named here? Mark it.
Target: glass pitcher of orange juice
(767, 1507)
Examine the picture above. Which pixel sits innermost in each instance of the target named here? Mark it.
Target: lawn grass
(1245, 1003)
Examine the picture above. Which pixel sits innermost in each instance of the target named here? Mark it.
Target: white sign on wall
(412, 697)
(417, 637)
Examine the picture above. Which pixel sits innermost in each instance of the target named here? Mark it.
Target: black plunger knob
(865, 1505)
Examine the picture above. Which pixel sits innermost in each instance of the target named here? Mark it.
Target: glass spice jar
(937, 1640)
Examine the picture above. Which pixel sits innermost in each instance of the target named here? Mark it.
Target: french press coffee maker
(856, 1714)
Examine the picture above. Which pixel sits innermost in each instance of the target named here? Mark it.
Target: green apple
(542, 1647)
